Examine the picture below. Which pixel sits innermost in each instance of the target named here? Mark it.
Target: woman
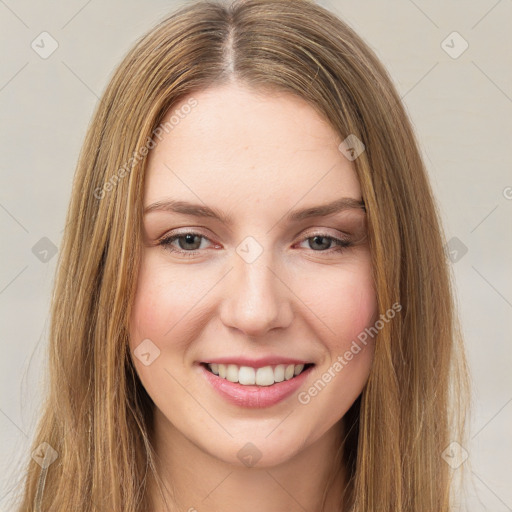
(253, 306)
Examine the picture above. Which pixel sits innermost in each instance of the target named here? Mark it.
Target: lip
(256, 363)
(254, 397)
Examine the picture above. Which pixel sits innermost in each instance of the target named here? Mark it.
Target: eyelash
(166, 242)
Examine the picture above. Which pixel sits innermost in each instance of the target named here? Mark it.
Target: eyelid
(193, 230)
(177, 234)
(306, 234)
(325, 232)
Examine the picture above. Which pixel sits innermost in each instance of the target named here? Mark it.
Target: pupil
(189, 239)
(318, 237)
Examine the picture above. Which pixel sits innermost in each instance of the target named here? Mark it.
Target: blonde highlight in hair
(98, 416)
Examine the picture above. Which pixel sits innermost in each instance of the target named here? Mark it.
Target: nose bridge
(256, 299)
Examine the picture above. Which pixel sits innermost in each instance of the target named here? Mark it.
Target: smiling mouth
(264, 376)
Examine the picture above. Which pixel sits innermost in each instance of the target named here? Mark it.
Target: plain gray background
(460, 103)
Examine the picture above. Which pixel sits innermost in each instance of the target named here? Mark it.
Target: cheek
(343, 301)
(148, 315)
(163, 312)
(346, 306)
(164, 303)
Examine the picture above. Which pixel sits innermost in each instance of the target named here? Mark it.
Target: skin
(255, 156)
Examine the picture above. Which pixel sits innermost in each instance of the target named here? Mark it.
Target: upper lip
(256, 363)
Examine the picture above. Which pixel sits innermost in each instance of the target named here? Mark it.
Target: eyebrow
(201, 210)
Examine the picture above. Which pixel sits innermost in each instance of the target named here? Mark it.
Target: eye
(189, 243)
(321, 242)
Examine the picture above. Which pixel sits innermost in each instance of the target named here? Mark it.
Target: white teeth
(279, 373)
(246, 375)
(232, 373)
(288, 373)
(265, 376)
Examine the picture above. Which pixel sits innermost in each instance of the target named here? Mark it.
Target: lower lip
(255, 396)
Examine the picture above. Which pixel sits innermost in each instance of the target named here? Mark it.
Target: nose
(257, 299)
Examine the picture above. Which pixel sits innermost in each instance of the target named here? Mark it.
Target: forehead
(241, 147)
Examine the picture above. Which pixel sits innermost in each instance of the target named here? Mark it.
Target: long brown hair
(97, 416)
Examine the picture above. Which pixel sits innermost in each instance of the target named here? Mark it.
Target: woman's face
(240, 271)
